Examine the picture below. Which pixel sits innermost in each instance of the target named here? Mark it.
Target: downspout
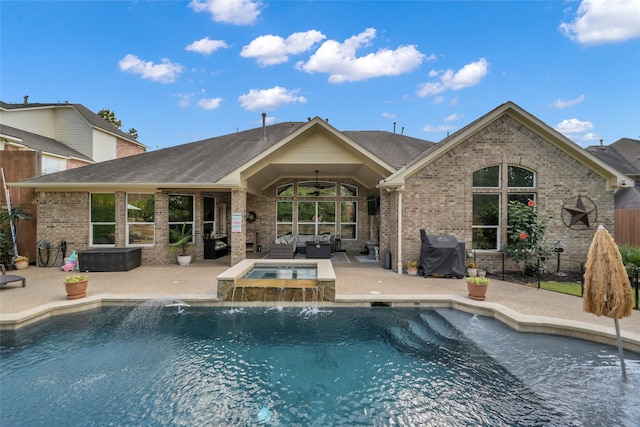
(399, 262)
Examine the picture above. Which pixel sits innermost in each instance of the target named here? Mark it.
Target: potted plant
(412, 268)
(472, 269)
(182, 238)
(76, 286)
(477, 287)
(21, 262)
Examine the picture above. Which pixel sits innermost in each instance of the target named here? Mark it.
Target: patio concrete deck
(522, 307)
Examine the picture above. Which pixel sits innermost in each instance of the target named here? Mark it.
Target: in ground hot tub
(278, 280)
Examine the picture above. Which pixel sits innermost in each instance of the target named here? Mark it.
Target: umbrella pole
(624, 369)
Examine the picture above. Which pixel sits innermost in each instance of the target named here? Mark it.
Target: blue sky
(181, 71)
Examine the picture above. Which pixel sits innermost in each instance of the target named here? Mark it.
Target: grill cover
(441, 255)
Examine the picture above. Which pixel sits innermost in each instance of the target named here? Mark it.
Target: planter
(472, 272)
(482, 273)
(21, 264)
(184, 259)
(477, 292)
(77, 290)
(412, 271)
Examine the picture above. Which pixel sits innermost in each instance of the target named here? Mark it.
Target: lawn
(571, 288)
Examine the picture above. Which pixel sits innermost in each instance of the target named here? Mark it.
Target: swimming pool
(340, 366)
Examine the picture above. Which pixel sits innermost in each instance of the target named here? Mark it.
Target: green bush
(630, 255)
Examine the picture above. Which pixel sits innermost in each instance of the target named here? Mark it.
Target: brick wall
(126, 148)
(438, 198)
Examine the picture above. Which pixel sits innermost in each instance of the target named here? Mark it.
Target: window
(491, 197)
(285, 190)
(317, 217)
(347, 190)
(180, 213)
(140, 219)
(348, 223)
(487, 177)
(103, 219)
(520, 177)
(52, 164)
(486, 220)
(284, 218)
(299, 213)
(209, 215)
(316, 189)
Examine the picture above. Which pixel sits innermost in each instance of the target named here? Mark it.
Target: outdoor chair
(10, 278)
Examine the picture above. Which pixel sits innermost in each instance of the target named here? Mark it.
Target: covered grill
(441, 255)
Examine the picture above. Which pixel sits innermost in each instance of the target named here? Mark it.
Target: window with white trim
(491, 194)
(103, 219)
(140, 219)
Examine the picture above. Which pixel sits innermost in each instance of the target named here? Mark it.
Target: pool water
(283, 272)
(153, 366)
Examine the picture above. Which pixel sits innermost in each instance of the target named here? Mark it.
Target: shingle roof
(630, 150)
(209, 160)
(92, 118)
(42, 143)
(624, 155)
(628, 198)
(398, 150)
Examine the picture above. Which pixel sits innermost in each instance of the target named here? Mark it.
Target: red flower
(531, 203)
(523, 236)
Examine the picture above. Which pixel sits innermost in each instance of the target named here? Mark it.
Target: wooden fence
(627, 227)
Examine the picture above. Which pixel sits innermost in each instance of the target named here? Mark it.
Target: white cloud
(604, 21)
(388, 116)
(591, 137)
(184, 99)
(440, 128)
(339, 60)
(469, 75)
(238, 12)
(560, 103)
(269, 99)
(206, 46)
(453, 117)
(166, 72)
(271, 50)
(573, 126)
(209, 103)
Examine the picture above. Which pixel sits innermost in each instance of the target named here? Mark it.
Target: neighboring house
(367, 187)
(38, 139)
(624, 155)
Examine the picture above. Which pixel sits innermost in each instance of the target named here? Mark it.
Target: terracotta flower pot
(477, 292)
(77, 290)
(412, 271)
(21, 264)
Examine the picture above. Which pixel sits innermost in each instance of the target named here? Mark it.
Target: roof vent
(26, 99)
(264, 126)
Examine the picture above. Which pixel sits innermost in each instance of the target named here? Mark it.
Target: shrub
(630, 255)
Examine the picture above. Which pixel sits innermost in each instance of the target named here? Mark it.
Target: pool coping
(515, 320)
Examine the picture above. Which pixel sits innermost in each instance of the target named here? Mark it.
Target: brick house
(366, 187)
(38, 139)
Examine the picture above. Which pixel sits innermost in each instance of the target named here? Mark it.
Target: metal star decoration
(579, 213)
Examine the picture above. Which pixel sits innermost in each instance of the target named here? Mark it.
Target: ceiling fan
(318, 186)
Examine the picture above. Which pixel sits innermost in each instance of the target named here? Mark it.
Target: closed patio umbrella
(607, 291)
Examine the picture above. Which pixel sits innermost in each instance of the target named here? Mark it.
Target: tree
(110, 116)
(133, 133)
